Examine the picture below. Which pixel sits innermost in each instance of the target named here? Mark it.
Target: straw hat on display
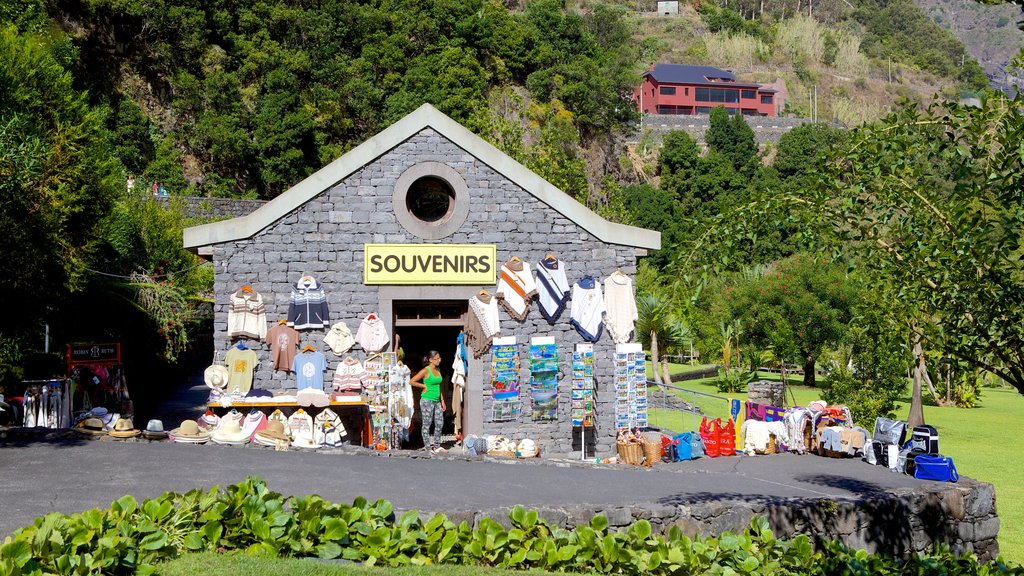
(216, 376)
(189, 433)
(155, 430)
(92, 427)
(230, 432)
(305, 441)
(272, 435)
(526, 449)
(124, 428)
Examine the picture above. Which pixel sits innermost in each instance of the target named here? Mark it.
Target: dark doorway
(423, 326)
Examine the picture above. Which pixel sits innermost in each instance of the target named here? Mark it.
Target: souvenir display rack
(544, 378)
(630, 387)
(505, 379)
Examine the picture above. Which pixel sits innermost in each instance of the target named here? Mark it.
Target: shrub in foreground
(129, 538)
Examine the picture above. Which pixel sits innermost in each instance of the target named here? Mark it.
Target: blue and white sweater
(307, 305)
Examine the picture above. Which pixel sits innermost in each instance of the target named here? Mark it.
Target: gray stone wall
(767, 392)
(766, 128)
(901, 522)
(325, 238)
(209, 208)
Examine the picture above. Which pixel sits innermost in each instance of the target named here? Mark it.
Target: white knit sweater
(586, 313)
(621, 307)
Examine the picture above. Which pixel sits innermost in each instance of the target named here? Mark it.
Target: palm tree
(658, 329)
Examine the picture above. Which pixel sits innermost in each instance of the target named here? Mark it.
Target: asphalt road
(40, 477)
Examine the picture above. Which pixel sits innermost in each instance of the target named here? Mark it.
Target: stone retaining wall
(901, 522)
(210, 208)
(766, 128)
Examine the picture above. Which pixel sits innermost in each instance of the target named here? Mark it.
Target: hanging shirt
(327, 429)
(339, 338)
(246, 315)
(349, 376)
(516, 288)
(309, 370)
(586, 314)
(372, 336)
(240, 363)
(400, 403)
(300, 424)
(284, 342)
(460, 366)
(552, 288)
(307, 305)
(254, 422)
(620, 305)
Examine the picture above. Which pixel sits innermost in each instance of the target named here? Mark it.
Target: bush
(733, 381)
(131, 538)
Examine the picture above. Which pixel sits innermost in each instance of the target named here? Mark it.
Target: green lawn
(209, 564)
(977, 439)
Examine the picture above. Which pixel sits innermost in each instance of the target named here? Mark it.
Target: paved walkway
(37, 477)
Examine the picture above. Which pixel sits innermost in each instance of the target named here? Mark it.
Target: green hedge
(131, 539)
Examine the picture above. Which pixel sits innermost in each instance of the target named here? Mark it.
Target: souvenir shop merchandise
(123, 429)
(328, 430)
(372, 336)
(339, 339)
(92, 427)
(254, 422)
(216, 377)
(230, 432)
(586, 312)
(241, 362)
(400, 403)
(544, 378)
(208, 421)
(98, 383)
(278, 416)
(47, 404)
(348, 378)
(305, 442)
(630, 387)
(273, 435)
(552, 288)
(189, 433)
(300, 424)
(376, 393)
(247, 316)
(482, 322)
(312, 397)
(154, 430)
(516, 288)
(505, 379)
(620, 307)
(581, 403)
(284, 344)
(307, 305)
(460, 367)
(309, 369)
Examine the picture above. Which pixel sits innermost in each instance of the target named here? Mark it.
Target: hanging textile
(516, 288)
(247, 316)
(307, 305)
(552, 288)
(620, 307)
(482, 323)
(284, 342)
(47, 404)
(586, 313)
(400, 403)
(460, 367)
(372, 336)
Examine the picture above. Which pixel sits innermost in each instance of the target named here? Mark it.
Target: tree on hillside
(802, 149)
(732, 137)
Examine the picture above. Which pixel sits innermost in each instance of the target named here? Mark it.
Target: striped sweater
(247, 317)
(307, 305)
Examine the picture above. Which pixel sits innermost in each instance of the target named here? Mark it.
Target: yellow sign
(429, 264)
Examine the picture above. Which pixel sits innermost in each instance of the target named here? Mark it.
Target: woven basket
(652, 453)
(631, 454)
(771, 445)
(502, 453)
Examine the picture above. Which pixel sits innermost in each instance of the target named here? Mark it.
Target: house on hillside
(689, 90)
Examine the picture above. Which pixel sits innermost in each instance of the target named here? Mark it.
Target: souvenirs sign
(429, 264)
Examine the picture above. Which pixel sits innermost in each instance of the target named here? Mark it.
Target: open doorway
(423, 326)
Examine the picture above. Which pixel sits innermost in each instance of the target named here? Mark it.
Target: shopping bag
(939, 468)
(727, 439)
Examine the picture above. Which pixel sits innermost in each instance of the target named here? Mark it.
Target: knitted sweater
(372, 336)
(552, 288)
(339, 338)
(586, 313)
(620, 306)
(307, 306)
(482, 324)
(516, 288)
(246, 315)
(349, 375)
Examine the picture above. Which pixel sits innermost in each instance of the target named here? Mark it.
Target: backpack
(926, 439)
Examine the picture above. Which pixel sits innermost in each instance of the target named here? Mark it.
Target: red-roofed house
(683, 89)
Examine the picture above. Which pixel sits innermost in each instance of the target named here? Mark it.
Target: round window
(430, 199)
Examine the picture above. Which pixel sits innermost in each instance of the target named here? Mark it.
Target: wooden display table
(366, 431)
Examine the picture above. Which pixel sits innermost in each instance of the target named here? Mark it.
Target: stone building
(425, 181)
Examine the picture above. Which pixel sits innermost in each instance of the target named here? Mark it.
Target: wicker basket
(631, 454)
(502, 453)
(771, 445)
(652, 452)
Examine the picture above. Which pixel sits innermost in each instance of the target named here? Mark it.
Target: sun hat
(124, 428)
(229, 432)
(272, 434)
(155, 430)
(305, 441)
(92, 426)
(526, 449)
(98, 412)
(189, 433)
(216, 376)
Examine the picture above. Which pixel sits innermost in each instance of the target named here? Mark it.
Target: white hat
(527, 448)
(216, 376)
(155, 430)
(305, 441)
(229, 432)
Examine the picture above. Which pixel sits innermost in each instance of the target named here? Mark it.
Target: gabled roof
(687, 74)
(426, 116)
